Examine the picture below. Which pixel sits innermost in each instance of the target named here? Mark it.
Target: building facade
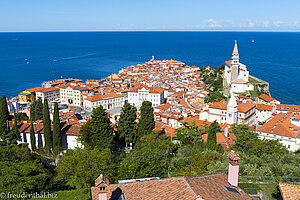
(72, 95)
(137, 96)
(108, 101)
(51, 94)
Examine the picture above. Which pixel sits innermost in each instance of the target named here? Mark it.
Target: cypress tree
(39, 109)
(32, 137)
(4, 117)
(57, 139)
(127, 124)
(47, 127)
(32, 111)
(14, 135)
(98, 131)
(212, 135)
(146, 121)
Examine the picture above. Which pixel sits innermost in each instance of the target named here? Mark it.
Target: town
(186, 102)
(177, 93)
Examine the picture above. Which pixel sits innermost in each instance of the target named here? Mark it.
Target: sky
(149, 15)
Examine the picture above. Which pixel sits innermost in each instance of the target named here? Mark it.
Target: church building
(236, 75)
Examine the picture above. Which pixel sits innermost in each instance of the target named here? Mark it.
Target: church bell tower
(235, 63)
(232, 113)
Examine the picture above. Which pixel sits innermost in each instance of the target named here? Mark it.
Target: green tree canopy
(213, 129)
(190, 133)
(21, 171)
(80, 167)
(146, 121)
(32, 111)
(39, 109)
(98, 131)
(248, 141)
(57, 139)
(214, 97)
(32, 137)
(14, 135)
(36, 110)
(47, 127)
(127, 124)
(150, 157)
(4, 117)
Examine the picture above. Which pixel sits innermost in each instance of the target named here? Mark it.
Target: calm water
(273, 57)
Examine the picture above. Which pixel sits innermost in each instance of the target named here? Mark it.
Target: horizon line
(113, 30)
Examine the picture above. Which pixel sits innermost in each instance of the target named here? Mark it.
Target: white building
(236, 75)
(13, 105)
(223, 112)
(137, 95)
(264, 112)
(51, 94)
(72, 93)
(266, 99)
(108, 101)
(284, 127)
(69, 135)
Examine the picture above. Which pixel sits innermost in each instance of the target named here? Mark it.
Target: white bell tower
(235, 63)
(232, 113)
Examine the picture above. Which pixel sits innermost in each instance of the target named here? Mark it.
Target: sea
(27, 59)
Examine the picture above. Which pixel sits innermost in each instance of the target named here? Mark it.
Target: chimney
(233, 171)
(99, 192)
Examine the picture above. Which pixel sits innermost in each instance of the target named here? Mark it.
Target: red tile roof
(281, 125)
(262, 107)
(245, 107)
(266, 98)
(101, 97)
(289, 191)
(208, 187)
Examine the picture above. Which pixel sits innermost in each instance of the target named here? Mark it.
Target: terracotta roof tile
(266, 98)
(289, 191)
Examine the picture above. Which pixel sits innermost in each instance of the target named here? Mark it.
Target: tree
(98, 131)
(21, 171)
(39, 109)
(4, 117)
(47, 127)
(127, 124)
(32, 137)
(14, 135)
(32, 111)
(146, 121)
(189, 134)
(150, 157)
(200, 162)
(248, 141)
(57, 139)
(213, 129)
(80, 167)
(214, 97)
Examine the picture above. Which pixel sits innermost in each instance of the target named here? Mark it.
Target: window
(289, 146)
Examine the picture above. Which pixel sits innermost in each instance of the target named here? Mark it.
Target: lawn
(268, 188)
(79, 194)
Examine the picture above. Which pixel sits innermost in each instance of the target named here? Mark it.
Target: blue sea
(26, 59)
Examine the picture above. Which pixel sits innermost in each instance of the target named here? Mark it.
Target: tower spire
(235, 53)
(235, 63)
(231, 116)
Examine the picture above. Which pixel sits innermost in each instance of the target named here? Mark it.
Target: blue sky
(118, 15)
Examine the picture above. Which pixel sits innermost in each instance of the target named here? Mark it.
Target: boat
(252, 41)
(54, 60)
